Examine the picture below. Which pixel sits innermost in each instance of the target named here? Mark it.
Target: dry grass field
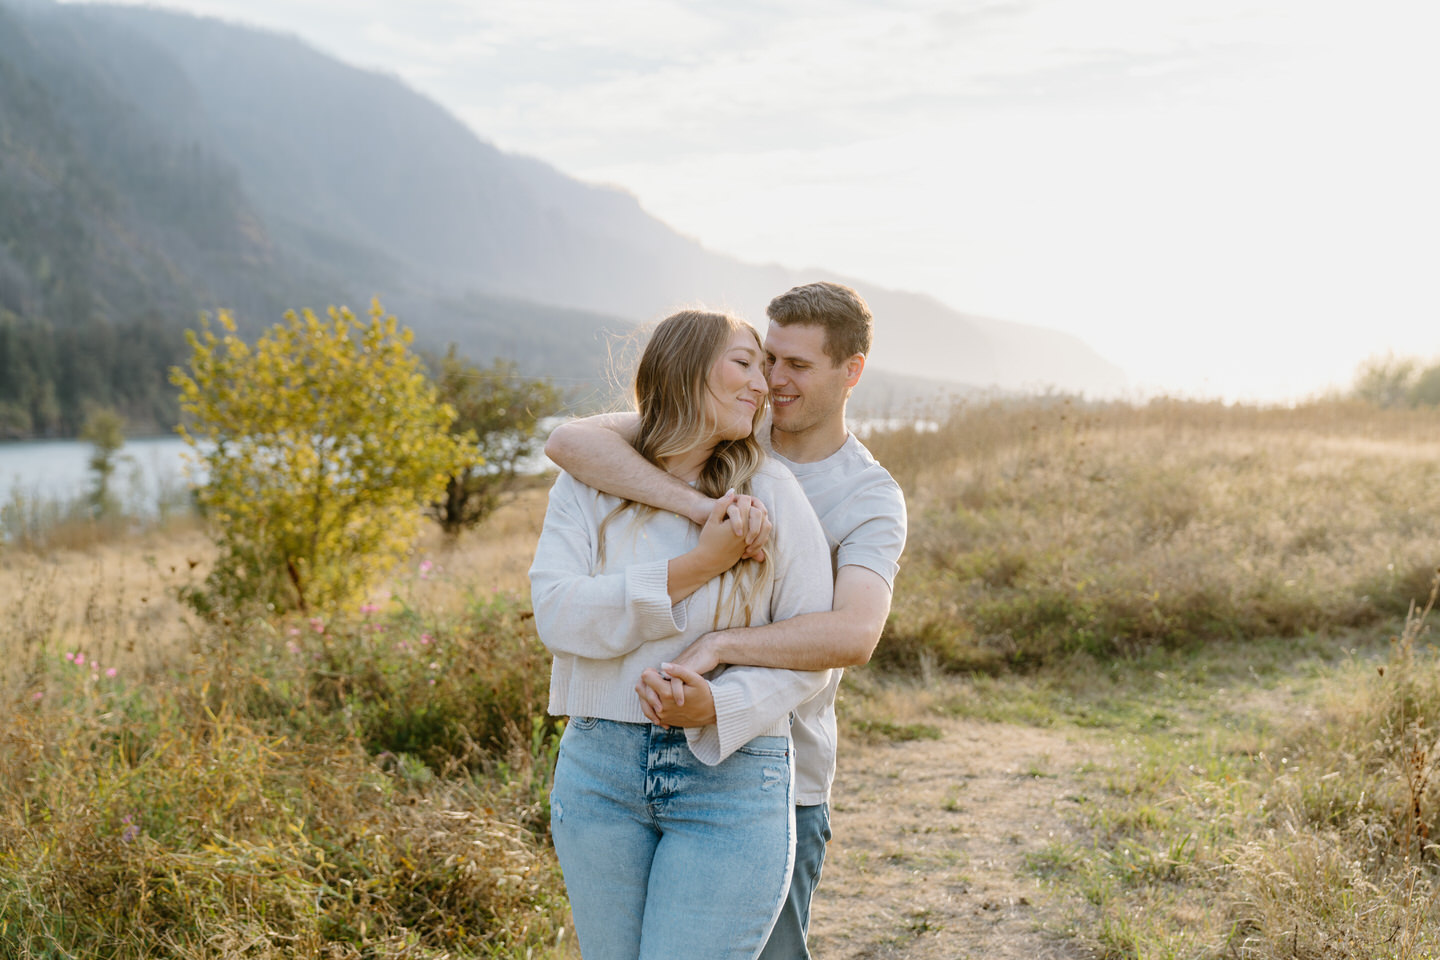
(1138, 697)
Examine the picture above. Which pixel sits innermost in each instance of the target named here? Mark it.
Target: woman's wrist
(692, 570)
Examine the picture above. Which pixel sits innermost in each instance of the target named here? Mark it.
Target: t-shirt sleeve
(877, 538)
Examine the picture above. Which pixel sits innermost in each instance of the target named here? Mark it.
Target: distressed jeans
(663, 856)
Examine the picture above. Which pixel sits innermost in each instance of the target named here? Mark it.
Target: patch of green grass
(1054, 860)
(886, 730)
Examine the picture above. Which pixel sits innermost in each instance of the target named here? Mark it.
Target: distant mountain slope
(157, 163)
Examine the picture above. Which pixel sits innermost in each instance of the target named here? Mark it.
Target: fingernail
(667, 666)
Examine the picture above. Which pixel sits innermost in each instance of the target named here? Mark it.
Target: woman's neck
(687, 466)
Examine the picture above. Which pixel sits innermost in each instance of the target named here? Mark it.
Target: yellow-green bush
(316, 448)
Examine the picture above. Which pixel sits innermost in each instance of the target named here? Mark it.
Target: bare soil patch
(931, 837)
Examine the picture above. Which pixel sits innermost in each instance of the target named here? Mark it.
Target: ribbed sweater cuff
(712, 744)
(648, 588)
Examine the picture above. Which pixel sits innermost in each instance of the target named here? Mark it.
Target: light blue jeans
(665, 858)
(812, 833)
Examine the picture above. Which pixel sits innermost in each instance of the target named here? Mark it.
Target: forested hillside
(122, 218)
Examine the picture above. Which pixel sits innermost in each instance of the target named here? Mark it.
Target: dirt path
(931, 836)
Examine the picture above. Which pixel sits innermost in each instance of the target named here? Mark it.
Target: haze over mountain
(155, 164)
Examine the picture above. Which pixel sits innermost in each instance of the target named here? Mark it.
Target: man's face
(806, 387)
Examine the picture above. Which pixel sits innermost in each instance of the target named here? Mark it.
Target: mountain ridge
(258, 173)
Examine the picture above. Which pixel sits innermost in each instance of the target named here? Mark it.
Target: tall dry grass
(1138, 558)
(1045, 528)
(371, 782)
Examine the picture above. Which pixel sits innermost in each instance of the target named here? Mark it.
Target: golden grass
(367, 784)
(1039, 530)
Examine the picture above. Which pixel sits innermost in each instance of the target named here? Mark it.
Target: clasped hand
(675, 696)
(738, 527)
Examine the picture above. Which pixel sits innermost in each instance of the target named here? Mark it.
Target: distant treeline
(1404, 382)
(51, 377)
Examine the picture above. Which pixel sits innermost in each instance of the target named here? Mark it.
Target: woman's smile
(737, 387)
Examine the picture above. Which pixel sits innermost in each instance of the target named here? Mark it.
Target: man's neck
(812, 445)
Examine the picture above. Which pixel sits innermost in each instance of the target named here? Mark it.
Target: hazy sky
(1225, 197)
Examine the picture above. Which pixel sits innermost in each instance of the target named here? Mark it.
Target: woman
(677, 842)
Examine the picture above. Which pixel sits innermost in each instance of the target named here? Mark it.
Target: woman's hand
(723, 537)
(719, 549)
(737, 528)
(747, 521)
(679, 697)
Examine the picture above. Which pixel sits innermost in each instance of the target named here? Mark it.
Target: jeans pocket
(772, 747)
(583, 723)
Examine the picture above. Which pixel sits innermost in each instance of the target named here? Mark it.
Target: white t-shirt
(862, 510)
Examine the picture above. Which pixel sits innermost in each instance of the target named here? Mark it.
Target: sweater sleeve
(749, 700)
(588, 614)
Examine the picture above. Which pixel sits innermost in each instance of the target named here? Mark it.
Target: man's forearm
(602, 458)
(812, 641)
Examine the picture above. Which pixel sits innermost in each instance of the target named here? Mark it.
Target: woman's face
(735, 387)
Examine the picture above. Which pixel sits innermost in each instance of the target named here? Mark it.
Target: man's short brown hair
(840, 310)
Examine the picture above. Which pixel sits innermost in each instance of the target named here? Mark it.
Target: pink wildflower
(79, 659)
(111, 672)
(368, 608)
(70, 656)
(425, 638)
(317, 624)
(39, 695)
(425, 567)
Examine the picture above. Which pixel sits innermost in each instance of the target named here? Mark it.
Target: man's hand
(678, 697)
(702, 656)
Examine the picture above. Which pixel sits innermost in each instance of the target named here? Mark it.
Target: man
(816, 346)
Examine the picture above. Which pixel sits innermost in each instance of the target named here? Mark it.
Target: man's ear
(853, 368)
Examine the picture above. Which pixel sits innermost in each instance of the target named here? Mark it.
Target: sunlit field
(1042, 530)
(1212, 590)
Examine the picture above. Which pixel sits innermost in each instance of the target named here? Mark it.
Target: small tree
(1425, 391)
(502, 410)
(317, 447)
(104, 430)
(1386, 381)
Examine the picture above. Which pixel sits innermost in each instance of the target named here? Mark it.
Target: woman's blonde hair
(671, 384)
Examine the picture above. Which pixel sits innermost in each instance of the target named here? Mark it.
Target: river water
(151, 468)
(146, 468)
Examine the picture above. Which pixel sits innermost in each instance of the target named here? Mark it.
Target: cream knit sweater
(605, 623)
